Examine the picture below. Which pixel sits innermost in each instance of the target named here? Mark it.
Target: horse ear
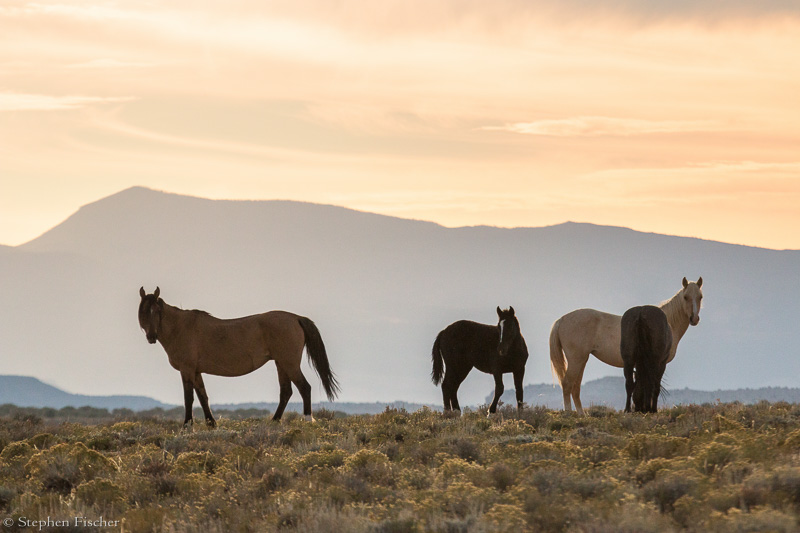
(141, 292)
(700, 282)
(499, 313)
(157, 292)
(511, 308)
(685, 283)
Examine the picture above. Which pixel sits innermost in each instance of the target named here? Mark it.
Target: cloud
(108, 64)
(605, 126)
(43, 102)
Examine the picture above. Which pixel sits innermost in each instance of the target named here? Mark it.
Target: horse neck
(676, 316)
(170, 324)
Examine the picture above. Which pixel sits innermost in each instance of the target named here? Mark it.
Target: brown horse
(198, 343)
(646, 339)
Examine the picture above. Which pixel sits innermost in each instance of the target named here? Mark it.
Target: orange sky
(681, 118)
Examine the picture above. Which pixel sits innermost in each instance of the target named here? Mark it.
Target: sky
(677, 117)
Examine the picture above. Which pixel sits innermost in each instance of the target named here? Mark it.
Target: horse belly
(238, 351)
(606, 342)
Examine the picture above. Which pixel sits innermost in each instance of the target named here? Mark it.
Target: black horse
(645, 342)
(494, 350)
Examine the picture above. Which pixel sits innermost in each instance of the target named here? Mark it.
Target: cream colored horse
(580, 333)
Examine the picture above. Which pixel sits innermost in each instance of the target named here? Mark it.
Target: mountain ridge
(143, 193)
(28, 391)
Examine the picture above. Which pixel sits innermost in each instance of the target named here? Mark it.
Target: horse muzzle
(152, 339)
(694, 320)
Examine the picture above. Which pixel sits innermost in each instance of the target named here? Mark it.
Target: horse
(645, 345)
(493, 350)
(585, 332)
(198, 343)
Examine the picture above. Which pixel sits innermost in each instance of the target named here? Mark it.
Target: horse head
(692, 298)
(509, 329)
(150, 309)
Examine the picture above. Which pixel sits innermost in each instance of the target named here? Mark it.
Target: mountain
(379, 288)
(610, 391)
(25, 391)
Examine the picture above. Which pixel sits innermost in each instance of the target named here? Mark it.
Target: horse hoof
(310, 418)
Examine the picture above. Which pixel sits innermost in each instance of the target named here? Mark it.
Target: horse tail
(558, 361)
(319, 357)
(438, 361)
(643, 357)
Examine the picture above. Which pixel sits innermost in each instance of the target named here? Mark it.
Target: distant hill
(610, 391)
(26, 391)
(379, 288)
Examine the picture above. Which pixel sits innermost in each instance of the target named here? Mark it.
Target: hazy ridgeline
(713, 468)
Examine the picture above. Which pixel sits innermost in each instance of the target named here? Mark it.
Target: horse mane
(674, 310)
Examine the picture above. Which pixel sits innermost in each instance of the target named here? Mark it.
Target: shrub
(466, 448)
(756, 521)
(668, 487)
(370, 465)
(646, 446)
(42, 441)
(463, 499)
(457, 469)
(16, 454)
(101, 493)
(505, 518)
(714, 456)
(502, 476)
(196, 462)
(63, 466)
(322, 459)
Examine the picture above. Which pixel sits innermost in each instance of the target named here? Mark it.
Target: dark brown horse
(197, 343)
(494, 350)
(645, 342)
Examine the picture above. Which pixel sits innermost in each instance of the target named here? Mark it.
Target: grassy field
(725, 467)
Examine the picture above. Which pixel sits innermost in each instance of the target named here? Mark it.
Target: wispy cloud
(108, 64)
(43, 102)
(605, 126)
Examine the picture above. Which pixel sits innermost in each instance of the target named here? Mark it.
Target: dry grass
(726, 467)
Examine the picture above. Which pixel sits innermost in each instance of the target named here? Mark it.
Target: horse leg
(628, 371)
(446, 394)
(576, 391)
(200, 388)
(286, 393)
(572, 379)
(498, 391)
(454, 385)
(188, 399)
(305, 392)
(518, 375)
(657, 387)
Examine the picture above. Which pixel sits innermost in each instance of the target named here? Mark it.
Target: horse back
(467, 340)
(589, 331)
(466, 344)
(237, 346)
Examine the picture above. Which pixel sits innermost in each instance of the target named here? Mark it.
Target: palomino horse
(580, 333)
(644, 347)
(197, 343)
(491, 349)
